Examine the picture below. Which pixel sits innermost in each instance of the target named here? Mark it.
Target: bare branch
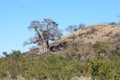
(82, 26)
(34, 24)
(72, 28)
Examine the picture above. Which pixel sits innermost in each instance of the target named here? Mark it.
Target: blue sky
(16, 15)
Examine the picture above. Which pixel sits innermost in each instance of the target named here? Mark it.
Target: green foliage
(28, 75)
(5, 54)
(16, 55)
(104, 50)
(103, 47)
(3, 74)
(56, 67)
(112, 23)
(103, 70)
(73, 48)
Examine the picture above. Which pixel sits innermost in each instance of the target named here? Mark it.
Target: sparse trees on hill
(82, 26)
(112, 23)
(72, 28)
(45, 30)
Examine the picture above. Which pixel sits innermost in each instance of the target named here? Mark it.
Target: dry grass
(91, 34)
(101, 33)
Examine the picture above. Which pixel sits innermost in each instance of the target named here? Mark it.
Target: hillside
(86, 37)
(94, 33)
(89, 54)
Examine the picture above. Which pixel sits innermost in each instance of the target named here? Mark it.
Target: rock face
(58, 46)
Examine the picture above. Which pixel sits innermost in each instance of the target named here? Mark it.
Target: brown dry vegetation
(84, 39)
(93, 33)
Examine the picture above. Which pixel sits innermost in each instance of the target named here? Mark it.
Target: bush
(56, 67)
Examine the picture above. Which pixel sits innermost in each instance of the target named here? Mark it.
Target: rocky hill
(89, 54)
(85, 38)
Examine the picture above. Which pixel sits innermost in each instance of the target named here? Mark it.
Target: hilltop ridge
(93, 33)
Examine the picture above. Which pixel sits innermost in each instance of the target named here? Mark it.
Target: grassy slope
(98, 60)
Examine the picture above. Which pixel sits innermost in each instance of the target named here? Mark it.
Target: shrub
(56, 67)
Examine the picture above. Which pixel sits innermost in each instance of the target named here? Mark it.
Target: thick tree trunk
(43, 48)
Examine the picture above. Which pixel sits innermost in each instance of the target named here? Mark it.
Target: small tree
(82, 26)
(112, 23)
(5, 54)
(45, 30)
(72, 28)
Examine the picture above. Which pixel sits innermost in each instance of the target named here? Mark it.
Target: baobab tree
(45, 30)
